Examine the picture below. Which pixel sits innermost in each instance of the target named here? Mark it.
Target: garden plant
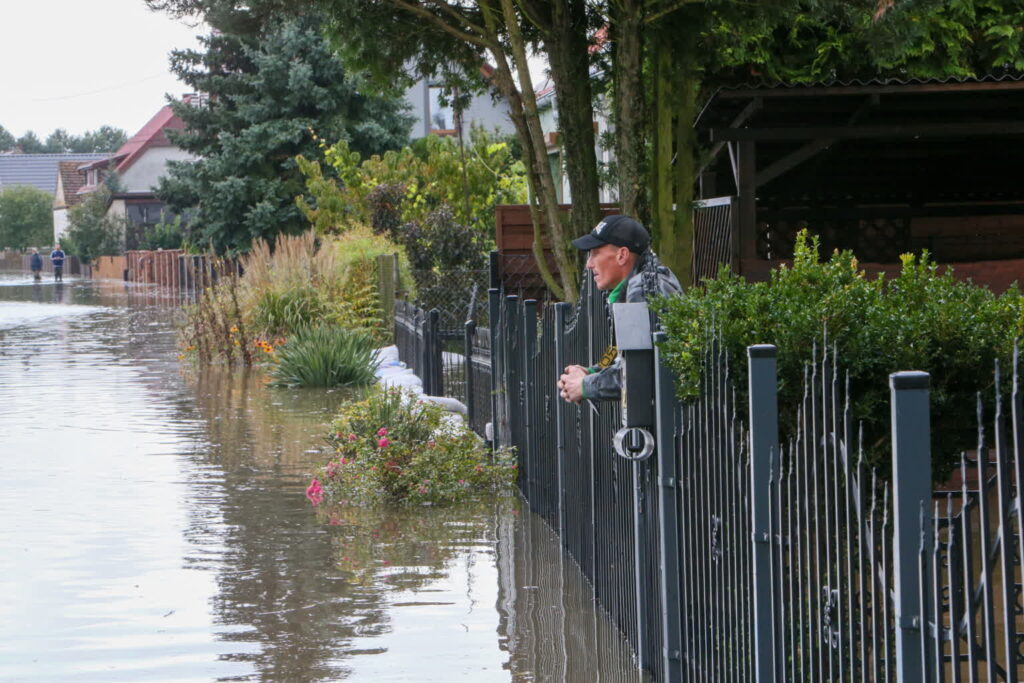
(921, 319)
(394, 447)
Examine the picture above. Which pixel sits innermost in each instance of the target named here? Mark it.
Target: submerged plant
(394, 447)
(326, 356)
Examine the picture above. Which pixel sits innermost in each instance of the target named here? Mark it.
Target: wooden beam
(748, 111)
(996, 128)
(747, 199)
(809, 150)
(896, 88)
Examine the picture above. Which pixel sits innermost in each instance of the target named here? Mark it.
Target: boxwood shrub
(921, 319)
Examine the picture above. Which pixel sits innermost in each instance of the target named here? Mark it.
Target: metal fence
(729, 555)
(451, 362)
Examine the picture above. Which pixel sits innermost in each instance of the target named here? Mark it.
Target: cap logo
(600, 228)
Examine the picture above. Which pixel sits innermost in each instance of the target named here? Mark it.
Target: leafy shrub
(326, 356)
(167, 234)
(919, 320)
(394, 447)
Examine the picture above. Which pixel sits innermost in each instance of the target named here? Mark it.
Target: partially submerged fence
(453, 362)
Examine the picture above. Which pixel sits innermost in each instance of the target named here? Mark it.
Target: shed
(881, 167)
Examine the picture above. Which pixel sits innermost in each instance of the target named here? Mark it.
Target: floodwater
(153, 528)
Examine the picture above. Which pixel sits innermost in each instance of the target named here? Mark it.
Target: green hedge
(919, 320)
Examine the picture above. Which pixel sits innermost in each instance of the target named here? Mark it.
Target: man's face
(609, 264)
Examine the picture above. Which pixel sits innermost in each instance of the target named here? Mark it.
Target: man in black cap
(620, 257)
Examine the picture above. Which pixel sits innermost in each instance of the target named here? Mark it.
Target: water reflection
(155, 528)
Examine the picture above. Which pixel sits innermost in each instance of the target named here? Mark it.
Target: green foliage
(26, 217)
(269, 87)
(167, 234)
(103, 139)
(326, 356)
(430, 175)
(301, 282)
(6, 139)
(394, 447)
(919, 320)
(92, 231)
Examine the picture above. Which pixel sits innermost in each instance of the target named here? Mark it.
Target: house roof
(153, 134)
(37, 170)
(71, 180)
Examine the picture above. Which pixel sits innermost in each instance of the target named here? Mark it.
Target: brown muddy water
(153, 528)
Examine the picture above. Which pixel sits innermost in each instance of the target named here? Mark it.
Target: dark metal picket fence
(451, 362)
(729, 555)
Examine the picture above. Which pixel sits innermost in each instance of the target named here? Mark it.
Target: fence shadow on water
(735, 553)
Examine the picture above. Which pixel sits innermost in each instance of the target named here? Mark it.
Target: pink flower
(351, 437)
(422, 490)
(383, 431)
(384, 443)
(315, 493)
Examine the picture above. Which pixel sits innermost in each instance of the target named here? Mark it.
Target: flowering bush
(393, 447)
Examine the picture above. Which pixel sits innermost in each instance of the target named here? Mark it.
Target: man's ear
(622, 256)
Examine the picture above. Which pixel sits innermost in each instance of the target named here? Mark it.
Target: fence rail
(732, 555)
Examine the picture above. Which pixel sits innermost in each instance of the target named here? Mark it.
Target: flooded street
(154, 528)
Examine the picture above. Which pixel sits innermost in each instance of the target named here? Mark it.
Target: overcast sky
(80, 65)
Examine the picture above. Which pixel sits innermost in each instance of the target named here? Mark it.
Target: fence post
(665, 409)
(467, 354)
(493, 321)
(562, 310)
(764, 443)
(529, 396)
(386, 285)
(912, 489)
(435, 364)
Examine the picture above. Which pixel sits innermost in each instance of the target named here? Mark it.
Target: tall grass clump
(326, 356)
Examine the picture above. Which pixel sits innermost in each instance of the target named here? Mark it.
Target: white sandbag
(452, 405)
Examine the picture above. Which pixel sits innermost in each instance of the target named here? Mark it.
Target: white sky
(80, 65)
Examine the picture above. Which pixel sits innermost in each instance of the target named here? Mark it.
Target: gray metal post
(665, 408)
(467, 348)
(493, 322)
(912, 487)
(764, 443)
(529, 348)
(562, 311)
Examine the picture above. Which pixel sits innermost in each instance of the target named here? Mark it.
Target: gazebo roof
(874, 141)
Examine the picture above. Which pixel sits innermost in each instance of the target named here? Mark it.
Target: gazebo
(881, 167)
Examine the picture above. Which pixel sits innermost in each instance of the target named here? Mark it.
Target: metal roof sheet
(37, 170)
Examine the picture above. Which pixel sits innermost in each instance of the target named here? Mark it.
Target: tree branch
(651, 18)
(421, 11)
(456, 15)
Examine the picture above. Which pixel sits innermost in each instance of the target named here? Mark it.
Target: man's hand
(570, 384)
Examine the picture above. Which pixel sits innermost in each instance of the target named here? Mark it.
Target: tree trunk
(567, 266)
(681, 258)
(664, 105)
(566, 43)
(628, 107)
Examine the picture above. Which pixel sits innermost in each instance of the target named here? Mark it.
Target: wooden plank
(991, 128)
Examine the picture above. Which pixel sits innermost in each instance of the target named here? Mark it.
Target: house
(487, 110)
(138, 164)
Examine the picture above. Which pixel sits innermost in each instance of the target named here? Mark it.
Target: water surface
(154, 528)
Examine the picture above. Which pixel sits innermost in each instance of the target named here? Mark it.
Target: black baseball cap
(622, 231)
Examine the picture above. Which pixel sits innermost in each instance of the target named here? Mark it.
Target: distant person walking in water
(57, 258)
(36, 264)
